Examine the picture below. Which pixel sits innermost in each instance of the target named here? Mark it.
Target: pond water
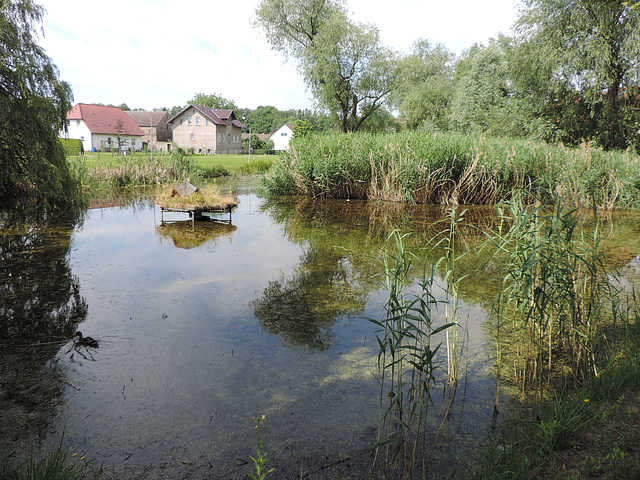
(204, 325)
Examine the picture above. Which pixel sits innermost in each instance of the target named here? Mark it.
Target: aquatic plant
(453, 169)
(554, 291)
(58, 464)
(261, 456)
(142, 168)
(406, 359)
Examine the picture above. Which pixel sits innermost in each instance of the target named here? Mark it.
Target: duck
(86, 341)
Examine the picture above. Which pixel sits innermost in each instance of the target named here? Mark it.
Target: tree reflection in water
(40, 309)
(304, 308)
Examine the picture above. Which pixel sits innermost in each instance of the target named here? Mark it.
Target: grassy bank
(453, 169)
(145, 168)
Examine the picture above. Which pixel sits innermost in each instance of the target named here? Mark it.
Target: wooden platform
(197, 212)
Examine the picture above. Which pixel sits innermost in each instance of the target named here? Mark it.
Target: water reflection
(40, 309)
(265, 316)
(189, 234)
(304, 307)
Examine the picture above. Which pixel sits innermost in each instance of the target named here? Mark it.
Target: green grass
(225, 165)
(210, 165)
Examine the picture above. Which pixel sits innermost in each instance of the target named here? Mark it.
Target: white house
(281, 136)
(103, 128)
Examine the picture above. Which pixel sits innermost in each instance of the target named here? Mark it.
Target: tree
(302, 128)
(33, 108)
(424, 92)
(213, 101)
(264, 119)
(485, 98)
(348, 70)
(591, 47)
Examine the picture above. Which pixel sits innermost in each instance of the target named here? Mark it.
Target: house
(155, 127)
(281, 136)
(103, 128)
(207, 131)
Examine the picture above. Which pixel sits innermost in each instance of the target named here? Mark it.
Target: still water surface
(202, 326)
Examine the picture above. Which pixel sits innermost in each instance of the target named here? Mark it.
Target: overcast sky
(159, 53)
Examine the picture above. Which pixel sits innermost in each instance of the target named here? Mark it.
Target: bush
(72, 146)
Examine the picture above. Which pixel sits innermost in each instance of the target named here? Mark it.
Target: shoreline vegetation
(97, 170)
(579, 382)
(454, 169)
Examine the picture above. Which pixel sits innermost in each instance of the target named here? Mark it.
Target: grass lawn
(213, 165)
(229, 162)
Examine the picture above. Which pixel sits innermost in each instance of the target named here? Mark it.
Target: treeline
(510, 88)
(454, 168)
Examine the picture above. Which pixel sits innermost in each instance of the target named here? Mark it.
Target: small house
(281, 137)
(103, 128)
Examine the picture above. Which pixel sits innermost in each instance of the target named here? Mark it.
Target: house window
(180, 121)
(283, 134)
(219, 139)
(133, 141)
(193, 137)
(190, 120)
(198, 121)
(199, 150)
(229, 137)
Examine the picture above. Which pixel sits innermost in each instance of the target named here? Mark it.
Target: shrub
(72, 146)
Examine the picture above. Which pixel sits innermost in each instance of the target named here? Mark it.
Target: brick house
(155, 127)
(103, 128)
(207, 130)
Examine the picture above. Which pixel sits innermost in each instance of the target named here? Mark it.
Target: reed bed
(141, 169)
(453, 169)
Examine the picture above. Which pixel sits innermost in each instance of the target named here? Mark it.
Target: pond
(204, 325)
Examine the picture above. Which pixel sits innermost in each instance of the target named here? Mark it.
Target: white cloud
(154, 53)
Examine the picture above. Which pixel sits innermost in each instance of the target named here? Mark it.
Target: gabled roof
(105, 120)
(143, 119)
(219, 117)
(290, 125)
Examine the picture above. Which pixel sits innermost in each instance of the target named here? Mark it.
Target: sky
(160, 53)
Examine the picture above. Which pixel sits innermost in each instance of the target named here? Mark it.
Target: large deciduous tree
(424, 90)
(348, 70)
(485, 98)
(33, 107)
(591, 49)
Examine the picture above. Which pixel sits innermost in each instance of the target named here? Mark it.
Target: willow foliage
(33, 107)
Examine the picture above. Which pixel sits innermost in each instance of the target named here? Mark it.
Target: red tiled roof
(105, 120)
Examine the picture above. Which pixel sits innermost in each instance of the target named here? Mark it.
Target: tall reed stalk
(406, 360)
(554, 290)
